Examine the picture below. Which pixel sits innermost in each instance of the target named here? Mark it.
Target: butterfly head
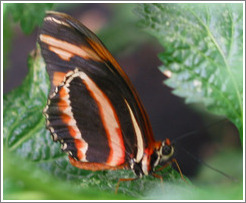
(166, 150)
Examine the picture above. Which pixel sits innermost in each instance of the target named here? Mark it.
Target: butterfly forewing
(93, 109)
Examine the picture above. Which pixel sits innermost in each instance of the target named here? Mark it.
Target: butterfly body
(93, 109)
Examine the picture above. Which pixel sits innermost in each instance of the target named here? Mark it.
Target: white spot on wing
(49, 18)
(64, 146)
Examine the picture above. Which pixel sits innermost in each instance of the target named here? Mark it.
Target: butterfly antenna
(209, 166)
(196, 131)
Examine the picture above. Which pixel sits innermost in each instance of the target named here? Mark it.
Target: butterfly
(93, 110)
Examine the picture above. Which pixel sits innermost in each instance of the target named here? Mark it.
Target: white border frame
(2, 2)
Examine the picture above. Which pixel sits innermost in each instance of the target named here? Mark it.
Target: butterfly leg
(123, 180)
(180, 172)
(170, 162)
(157, 176)
(164, 166)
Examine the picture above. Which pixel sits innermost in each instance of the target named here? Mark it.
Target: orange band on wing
(72, 131)
(92, 166)
(58, 77)
(63, 48)
(61, 53)
(66, 114)
(68, 119)
(79, 145)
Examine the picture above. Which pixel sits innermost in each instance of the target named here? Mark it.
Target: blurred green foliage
(7, 36)
(29, 15)
(35, 167)
(203, 54)
(121, 31)
(28, 182)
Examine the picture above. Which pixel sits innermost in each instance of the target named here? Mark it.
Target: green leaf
(28, 14)
(25, 135)
(23, 106)
(203, 55)
(229, 191)
(24, 181)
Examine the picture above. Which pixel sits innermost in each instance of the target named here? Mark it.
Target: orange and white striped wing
(93, 109)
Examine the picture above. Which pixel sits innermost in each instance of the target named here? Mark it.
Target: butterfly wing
(93, 108)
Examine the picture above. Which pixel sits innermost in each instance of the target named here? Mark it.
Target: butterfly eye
(166, 150)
